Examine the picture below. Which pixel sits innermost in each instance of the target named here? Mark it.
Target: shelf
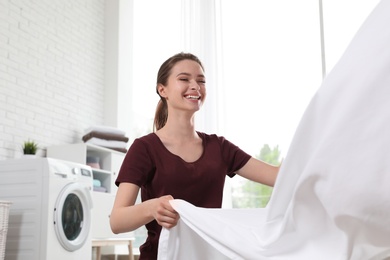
(99, 149)
(110, 160)
(104, 177)
(101, 171)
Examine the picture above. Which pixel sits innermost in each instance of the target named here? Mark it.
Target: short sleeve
(138, 165)
(234, 157)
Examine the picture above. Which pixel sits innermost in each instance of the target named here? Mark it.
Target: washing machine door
(72, 216)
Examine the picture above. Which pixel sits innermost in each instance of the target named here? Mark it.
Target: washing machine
(50, 215)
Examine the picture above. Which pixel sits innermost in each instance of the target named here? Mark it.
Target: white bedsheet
(332, 197)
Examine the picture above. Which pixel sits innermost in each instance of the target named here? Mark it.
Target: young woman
(176, 161)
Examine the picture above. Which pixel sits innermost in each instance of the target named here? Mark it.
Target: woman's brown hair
(161, 115)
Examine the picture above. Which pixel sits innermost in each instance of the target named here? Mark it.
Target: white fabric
(107, 143)
(332, 196)
(104, 129)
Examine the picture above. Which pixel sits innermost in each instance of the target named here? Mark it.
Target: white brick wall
(51, 71)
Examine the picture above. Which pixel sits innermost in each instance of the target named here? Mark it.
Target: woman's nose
(195, 86)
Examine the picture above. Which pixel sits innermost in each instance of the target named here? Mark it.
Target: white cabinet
(110, 163)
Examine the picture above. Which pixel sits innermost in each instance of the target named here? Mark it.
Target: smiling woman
(176, 160)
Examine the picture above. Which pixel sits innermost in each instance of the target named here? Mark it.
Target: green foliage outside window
(250, 194)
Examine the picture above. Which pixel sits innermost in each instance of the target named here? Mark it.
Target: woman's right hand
(164, 213)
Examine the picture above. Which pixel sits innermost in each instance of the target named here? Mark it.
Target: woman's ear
(161, 90)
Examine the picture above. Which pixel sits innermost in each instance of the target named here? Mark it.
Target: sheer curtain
(166, 29)
(201, 35)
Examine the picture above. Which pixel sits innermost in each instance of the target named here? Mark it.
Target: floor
(117, 257)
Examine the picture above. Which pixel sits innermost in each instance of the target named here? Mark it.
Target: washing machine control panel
(69, 170)
(81, 172)
(76, 171)
(85, 172)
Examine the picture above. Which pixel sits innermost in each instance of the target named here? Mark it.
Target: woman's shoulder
(211, 137)
(149, 144)
(148, 139)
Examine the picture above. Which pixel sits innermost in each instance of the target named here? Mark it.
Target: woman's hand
(164, 214)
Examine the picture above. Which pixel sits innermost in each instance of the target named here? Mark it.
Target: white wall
(118, 63)
(51, 71)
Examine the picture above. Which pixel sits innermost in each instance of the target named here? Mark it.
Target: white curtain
(201, 36)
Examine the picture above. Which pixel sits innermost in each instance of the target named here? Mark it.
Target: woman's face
(186, 87)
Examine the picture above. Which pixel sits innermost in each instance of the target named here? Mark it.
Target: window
(342, 19)
(272, 67)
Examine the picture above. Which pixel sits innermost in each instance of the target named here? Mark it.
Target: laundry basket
(4, 213)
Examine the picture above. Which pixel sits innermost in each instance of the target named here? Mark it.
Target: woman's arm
(127, 216)
(259, 171)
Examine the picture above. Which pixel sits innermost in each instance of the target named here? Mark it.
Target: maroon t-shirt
(158, 172)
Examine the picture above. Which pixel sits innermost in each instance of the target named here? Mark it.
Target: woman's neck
(183, 128)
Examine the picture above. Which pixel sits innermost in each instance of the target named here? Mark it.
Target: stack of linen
(106, 136)
(97, 186)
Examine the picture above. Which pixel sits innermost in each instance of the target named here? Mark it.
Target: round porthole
(72, 216)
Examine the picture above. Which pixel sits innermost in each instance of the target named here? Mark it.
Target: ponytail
(161, 115)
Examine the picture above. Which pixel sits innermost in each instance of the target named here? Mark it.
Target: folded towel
(105, 129)
(106, 143)
(93, 161)
(99, 189)
(97, 183)
(105, 136)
